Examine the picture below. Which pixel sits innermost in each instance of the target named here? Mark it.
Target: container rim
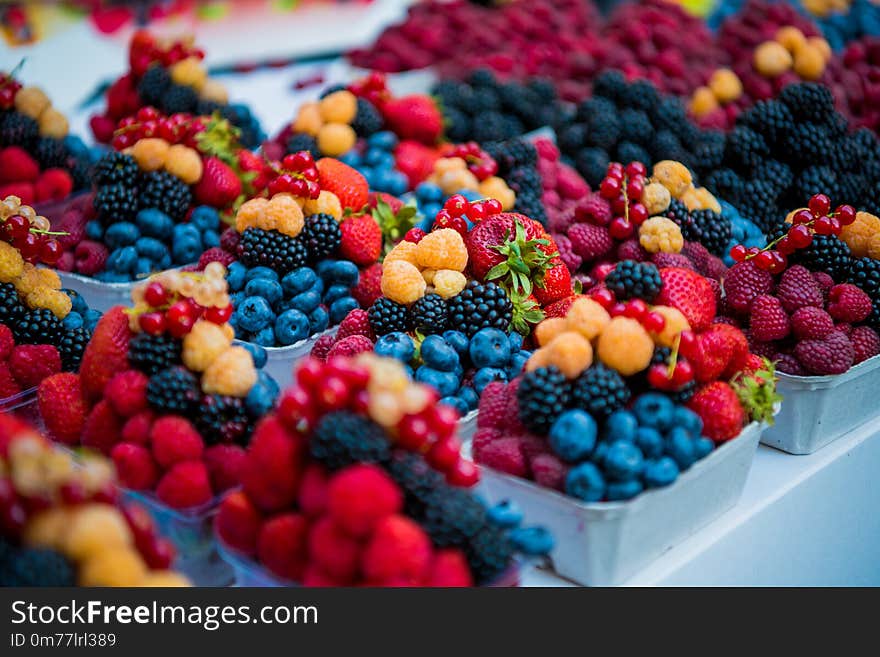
(16, 401)
(283, 351)
(189, 514)
(831, 380)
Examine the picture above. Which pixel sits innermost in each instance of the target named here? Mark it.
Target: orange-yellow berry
(335, 139)
(442, 249)
(284, 215)
(495, 187)
(822, 46)
(49, 278)
(404, 251)
(809, 62)
(11, 263)
(625, 346)
(185, 163)
(93, 528)
(113, 567)
(250, 213)
(673, 175)
(150, 153)
(771, 59)
(32, 102)
(232, 373)
(549, 329)
(660, 235)
(726, 85)
(587, 318)
(858, 234)
(326, 203)
(53, 123)
(790, 38)
(402, 282)
(447, 282)
(656, 198)
(338, 107)
(203, 345)
(675, 324)
(189, 72)
(308, 120)
(703, 102)
(571, 352)
(53, 300)
(214, 90)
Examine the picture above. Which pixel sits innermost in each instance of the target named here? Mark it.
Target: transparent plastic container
(99, 295)
(467, 426)
(605, 543)
(282, 360)
(817, 410)
(23, 405)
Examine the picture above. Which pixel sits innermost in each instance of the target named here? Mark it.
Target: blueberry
(506, 514)
(150, 247)
(142, 268)
(457, 403)
(319, 320)
(661, 472)
(122, 260)
(262, 396)
(108, 276)
(703, 447)
(573, 435)
(369, 174)
(258, 354)
(624, 460)
(532, 541)
(204, 217)
(457, 340)
(446, 383)
(183, 231)
(340, 308)
(624, 490)
(429, 212)
(516, 341)
(487, 375)
(261, 272)
(398, 183)
(123, 233)
(621, 425)
(78, 304)
(490, 348)
(375, 156)
(291, 327)
(649, 441)
(654, 410)
(680, 447)
(265, 337)
(91, 318)
(469, 194)
(585, 482)
(325, 269)
(165, 262)
(299, 280)
(598, 455)
(73, 321)
(685, 417)
(439, 355)
(469, 396)
(344, 272)
(396, 345)
(429, 193)
(306, 301)
(352, 158)
(517, 363)
(262, 287)
(237, 298)
(235, 276)
(335, 292)
(254, 314)
(210, 239)
(318, 285)
(94, 230)
(155, 223)
(186, 250)
(384, 140)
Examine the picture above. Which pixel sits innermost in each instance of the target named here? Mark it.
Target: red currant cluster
(635, 309)
(9, 87)
(296, 174)
(150, 122)
(457, 210)
(479, 162)
(623, 188)
(34, 242)
(175, 314)
(817, 218)
(145, 50)
(371, 88)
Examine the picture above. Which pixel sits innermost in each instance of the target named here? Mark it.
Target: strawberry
(219, 186)
(719, 407)
(688, 292)
(414, 117)
(393, 202)
(369, 285)
(739, 347)
(250, 162)
(8, 384)
(238, 522)
(560, 308)
(709, 355)
(62, 407)
(31, 363)
(186, 484)
(495, 231)
(414, 160)
(102, 428)
(282, 545)
(555, 285)
(347, 183)
(106, 353)
(17, 166)
(361, 240)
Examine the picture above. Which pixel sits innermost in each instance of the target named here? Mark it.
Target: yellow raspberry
(442, 249)
(53, 300)
(29, 280)
(49, 278)
(539, 358)
(203, 345)
(625, 346)
(771, 59)
(587, 318)
(326, 203)
(549, 329)
(228, 331)
(822, 46)
(214, 90)
(113, 567)
(656, 198)
(404, 251)
(809, 62)
(53, 124)
(308, 120)
(675, 324)
(184, 163)
(874, 247)
(285, 215)
(673, 175)
(446, 164)
(47, 528)
(571, 352)
(32, 101)
(250, 213)
(703, 102)
(402, 282)
(232, 373)
(447, 282)
(495, 187)
(790, 38)
(453, 181)
(385, 409)
(335, 139)
(858, 234)
(11, 263)
(150, 153)
(92, 528)
(428, 275)
(163, 579)
(702, 199)
(338, 107)
(660, 235)
(725, 84)
(189, 72)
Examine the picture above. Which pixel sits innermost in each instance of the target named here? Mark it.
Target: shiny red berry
(180, 325)
(802, 217)
(476, 211)
(463, 474)
(310, 372)
(800, 236)
(604, 297)
(819, 204)
(444, 453)
(620, 228)
(738, 253)
(634, 189)
(218, 314)
(763, 260)
(683, 373)
(654, 322)
(618, 205)
(413, 432)
(634, 169)
(155, 294)
(493, 206)
(414, 235)
(845, 214)
(658, 377)
(785, 246)
(296, 408)
(635, 309)
(609, 188)
(456, 205)
(823, 225)
(51, 251)
(333, 393)
(152, 323)
(617, 309)
(638, 214)
(687, 340)
(779, 262)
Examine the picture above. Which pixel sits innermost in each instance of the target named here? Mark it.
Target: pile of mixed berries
(62, 524)
(356, 478)
(163, 391)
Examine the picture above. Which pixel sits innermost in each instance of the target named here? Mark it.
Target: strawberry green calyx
(525, 262)
(526, 313)
(220, 139)
(757, 392)
(394, 225)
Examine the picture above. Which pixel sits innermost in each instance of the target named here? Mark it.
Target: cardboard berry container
(280, 361)
(817, 410)
(23, 405)
(605, 543)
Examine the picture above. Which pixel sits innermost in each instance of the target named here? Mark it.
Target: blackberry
(175, 391)
(72, 347)
(153, 85)
(825, 253)
(709, 153)
(746, 147)
(208, 107)
(453, 516)
(808, 101)
(269, 248)
(36, 567)
(81, 173)
(641, 94)
(634, 280)
(572, 138)
(367, 120)
(116, 168)
(152, 354)
(808, 142)
(479, 306)
(303, 142)
(600, 391)
(115, 203)
(429, 314)
(484, 99)
(418, 480)
(669, 113)
(592, 164)
(489, 554)
(813, 180)
(343, 438)
(223, 419)
(777, 173)
(628, 151)
(458, 124)
(51, 153)
(543, 88)
(666, 146)
(610, 85)
(635, 126)
(321, 236)
(11, 307)
(769, 118)
(39, 326)
(512, 153)
(603, 130)
(865, 273)
(683, 395)
(726, 183)
(18, 130)
(179, 99)
(678, 212)
(167, 193)
(542, 395)
(492, 126)
(387, 316)
(482, 77)
(530, 203)
(710, 229)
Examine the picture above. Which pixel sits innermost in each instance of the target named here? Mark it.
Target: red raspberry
(102, 428)
(350, 346)
(788, 364)
(833, 355)
(493, 406)
(797, 288)
(716, 287)
(848, 303)
(361, 495)
(224, 466)
(369, 285)
(7, 342)
(763, 349)
(215, 254)
(31, 363)
(229, 240)
(548, 471)
(127, 392)
(322, 346)
(282, 545)
(357, 322)
(569, 183)
(768, 319)
(743, 282)
(90, 257)
(672, 260)
(571, 259)
(137, 428)
(590, 242)
(134, 465)
(866, 343)
(824, 281)
(399, 552)
(632, 250)
(185, 485)
(531, 444)
(273, 467)
(312, 497)
(450, 568)
(811, 323)
(483, 437)
(238, 522)
(503, 455)
(716, 270)
(593, 209)
(8, 385)
(698, 254)
(333, 551)
(174, 440)
(843, 327)
(62, 406)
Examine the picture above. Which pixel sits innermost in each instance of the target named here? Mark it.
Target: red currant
(155, 294)
(16, 227)
(602, 270)
(413, 432)
(764, 260)
(620, 228)
(658, 377)
(180, 325)
(635, 309)
(618, 205)
(802, 217)
(634, 189)
(687, 340)
(819, 204)
(800, 236)
(493, 206)
(310, 372)
(779, 262)
(28, 246)
(333, 393)
(617, 309)
(638, 213)
(476, 211)
(604, 297)
(444, 453)
(615, 170)
(683, 373)
(299, 187)
(738, 253)
(845, 214)
(609, 188)
(456, 205)
(635, 169)
(414, 235)
(785, 246)
(463, 474)
(654, 322)
(295, 408)
(51, 252)
(835, 226)
(823, 225)
(152, 323)
(218, 314)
